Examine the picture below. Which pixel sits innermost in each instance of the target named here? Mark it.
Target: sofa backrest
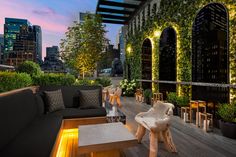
(17, 110)
(70, 93)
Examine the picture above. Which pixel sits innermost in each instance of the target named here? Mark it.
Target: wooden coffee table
(104, 139)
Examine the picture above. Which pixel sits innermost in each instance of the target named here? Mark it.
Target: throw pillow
(54, 100)
(89, 98)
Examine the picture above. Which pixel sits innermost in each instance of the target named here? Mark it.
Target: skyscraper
(120, 43)
(1, 47)
(38, 40)
(82, 16)
(21, 41)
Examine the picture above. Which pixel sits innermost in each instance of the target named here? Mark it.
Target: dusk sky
(54, 16)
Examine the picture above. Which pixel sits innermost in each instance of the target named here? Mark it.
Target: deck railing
(191, 83)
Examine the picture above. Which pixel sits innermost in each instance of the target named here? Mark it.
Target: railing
(191, 83)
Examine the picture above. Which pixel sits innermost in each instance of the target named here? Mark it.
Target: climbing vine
(180, 15)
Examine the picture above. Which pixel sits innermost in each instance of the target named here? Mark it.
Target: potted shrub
(228, 122)
(171, 98)
(148, 96)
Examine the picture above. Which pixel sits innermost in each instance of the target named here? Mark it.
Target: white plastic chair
(157, 121)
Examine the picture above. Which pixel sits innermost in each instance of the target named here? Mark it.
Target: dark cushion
(54, 100)
(89, 107)
(17, 111)
(40, 104)
(76, 113)
(89, 97)
(70, 93)
(35, 141)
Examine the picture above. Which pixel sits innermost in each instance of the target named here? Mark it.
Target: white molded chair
(157, 121)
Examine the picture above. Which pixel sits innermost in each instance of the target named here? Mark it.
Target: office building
(22, 41)
(120, 43)
(1, 47)
(38, 40)
(82, 16)
(52, 62)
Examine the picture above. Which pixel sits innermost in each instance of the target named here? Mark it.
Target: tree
(29, 67)
(83, 45)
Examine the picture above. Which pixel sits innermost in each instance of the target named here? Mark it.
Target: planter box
(228, 129)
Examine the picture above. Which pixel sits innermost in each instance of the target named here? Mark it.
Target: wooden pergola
(118, 12)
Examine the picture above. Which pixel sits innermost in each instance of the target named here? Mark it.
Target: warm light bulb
(129, 49)
(157, 33)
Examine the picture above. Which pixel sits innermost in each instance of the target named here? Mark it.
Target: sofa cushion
(89, 107)
(17, 111)
(77, 113)
(70, 93)
(40, 104)
(89, 98)
(37, 140)
(54, 100)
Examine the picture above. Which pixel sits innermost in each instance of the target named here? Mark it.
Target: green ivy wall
(180, 15)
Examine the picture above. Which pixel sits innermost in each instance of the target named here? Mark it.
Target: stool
(198, 104)
(139, 95)
(140, 98)
(157, 97)
(185, 110)
(206, 117)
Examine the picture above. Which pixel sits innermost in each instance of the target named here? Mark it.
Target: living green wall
(180, 15)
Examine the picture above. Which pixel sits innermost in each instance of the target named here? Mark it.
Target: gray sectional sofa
(28, 130)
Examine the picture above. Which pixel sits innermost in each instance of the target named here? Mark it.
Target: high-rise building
(20, 41)
(120, 43)
(52, 62)
(82, 16)
(38, 40)
(1, 47)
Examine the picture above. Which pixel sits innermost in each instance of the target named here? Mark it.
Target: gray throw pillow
(89, 98)
(54, 100)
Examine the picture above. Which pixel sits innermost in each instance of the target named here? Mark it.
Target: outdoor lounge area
(163, 86)
(92, 130)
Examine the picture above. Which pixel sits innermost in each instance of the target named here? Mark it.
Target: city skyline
(53, 16)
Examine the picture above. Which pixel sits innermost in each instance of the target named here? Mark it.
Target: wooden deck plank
(189, 140)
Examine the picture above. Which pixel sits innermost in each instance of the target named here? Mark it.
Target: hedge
(54, 79)
(13, 80)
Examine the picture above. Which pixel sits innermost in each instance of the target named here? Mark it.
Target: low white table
(104, 139)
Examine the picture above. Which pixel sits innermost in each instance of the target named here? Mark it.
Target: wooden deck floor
(189, 140)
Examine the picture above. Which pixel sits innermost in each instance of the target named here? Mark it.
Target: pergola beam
(118, 4)
(116, 12)
(126, 12)
(113, 21)
(113, 16)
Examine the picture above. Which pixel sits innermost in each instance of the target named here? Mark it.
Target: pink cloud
(47, 18)
(53, 24)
